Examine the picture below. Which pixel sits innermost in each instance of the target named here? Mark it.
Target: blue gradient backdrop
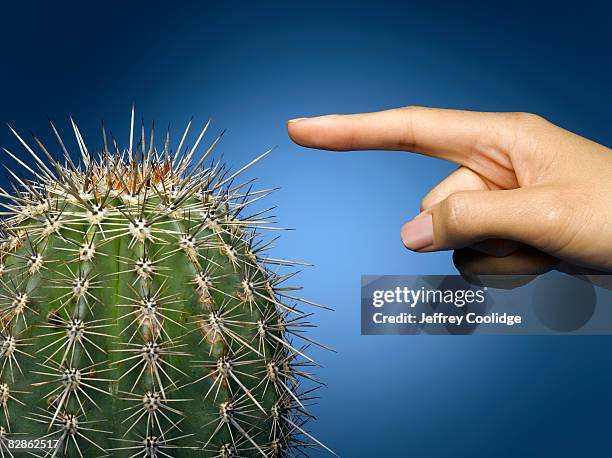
(250, 67)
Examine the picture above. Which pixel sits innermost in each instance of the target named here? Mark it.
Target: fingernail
(296, 120)
(418, 233)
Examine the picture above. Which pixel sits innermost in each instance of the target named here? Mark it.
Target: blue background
(251, 66)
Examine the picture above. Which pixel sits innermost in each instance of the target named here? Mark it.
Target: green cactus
(140, 314)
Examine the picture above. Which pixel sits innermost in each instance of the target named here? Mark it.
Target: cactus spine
(140, 315)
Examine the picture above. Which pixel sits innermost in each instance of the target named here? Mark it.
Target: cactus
(140, 314)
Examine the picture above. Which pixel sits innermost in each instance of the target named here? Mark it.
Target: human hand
(528, 195)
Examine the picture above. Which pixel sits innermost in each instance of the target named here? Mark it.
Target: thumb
(468, 217)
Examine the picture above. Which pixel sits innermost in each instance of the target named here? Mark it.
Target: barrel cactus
(140, 314)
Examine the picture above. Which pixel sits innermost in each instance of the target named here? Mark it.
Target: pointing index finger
(452, 135)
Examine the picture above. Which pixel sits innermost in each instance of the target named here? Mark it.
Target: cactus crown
(139, 312)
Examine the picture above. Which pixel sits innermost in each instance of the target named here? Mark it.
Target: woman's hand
(528, 195)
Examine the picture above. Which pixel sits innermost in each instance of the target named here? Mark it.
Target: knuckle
(456, 213)
(526, 120)
(551, 209)
(523, 130)
(408, 140)
(552, 219)
(412, 109)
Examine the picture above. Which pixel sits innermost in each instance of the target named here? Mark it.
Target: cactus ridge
(140, 312)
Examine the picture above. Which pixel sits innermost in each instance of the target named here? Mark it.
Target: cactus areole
(140, 315)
